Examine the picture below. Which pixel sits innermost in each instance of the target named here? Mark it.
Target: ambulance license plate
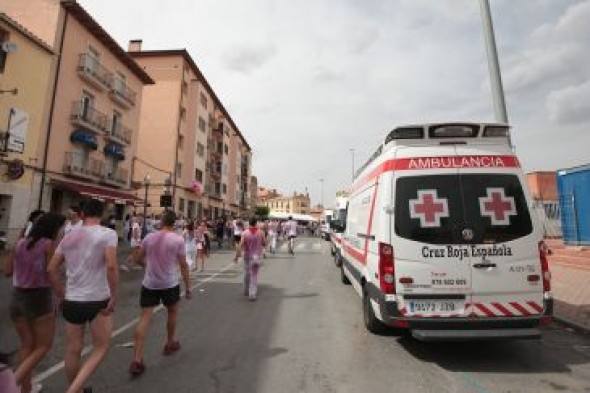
(425, 306)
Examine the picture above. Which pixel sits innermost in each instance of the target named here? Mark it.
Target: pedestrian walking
(291, 233)
(31, 309)
(252, 245)
(135, 242)
(238, 229)
(190, 245)
(74, 215)
(273, 233)
(88, 296)
(164, 252)
(219, 232)
(201, 240)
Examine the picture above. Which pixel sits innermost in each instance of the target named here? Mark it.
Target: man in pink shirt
(164, 252)
(252, 245)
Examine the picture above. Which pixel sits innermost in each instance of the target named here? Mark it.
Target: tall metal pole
(352, 154)
(322, 191)
(146, 182)
(493, 64)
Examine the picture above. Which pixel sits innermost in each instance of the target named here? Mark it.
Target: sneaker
(136, 368)
(172, 347)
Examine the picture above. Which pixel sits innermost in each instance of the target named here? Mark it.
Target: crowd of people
(84, 246)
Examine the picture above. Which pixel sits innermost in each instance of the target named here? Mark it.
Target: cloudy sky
(308, 80)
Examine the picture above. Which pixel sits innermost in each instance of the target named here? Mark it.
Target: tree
(261, 211)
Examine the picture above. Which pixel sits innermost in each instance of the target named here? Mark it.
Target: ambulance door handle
(484, 265)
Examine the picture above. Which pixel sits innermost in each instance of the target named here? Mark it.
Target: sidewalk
(570, 270)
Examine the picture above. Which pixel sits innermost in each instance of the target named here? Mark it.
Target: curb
(578, 327)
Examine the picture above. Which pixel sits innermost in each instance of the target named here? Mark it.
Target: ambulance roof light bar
(453, 131)
(496, 131)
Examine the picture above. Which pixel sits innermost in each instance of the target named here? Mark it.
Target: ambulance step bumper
(479, 334)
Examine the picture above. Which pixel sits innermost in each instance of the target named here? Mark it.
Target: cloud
(570, 105)
(248, 58)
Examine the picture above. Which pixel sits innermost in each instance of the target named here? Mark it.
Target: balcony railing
(88, 117)
(119, 133)
(122, 94)
(116, 176)
(78, 164)
(93, 72)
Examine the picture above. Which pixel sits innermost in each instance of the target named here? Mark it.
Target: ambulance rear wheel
(372, 324)
(343, 277)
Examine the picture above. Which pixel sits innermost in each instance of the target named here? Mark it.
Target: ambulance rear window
(461, 209)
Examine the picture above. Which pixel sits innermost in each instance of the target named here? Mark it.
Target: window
(120, 84)
(226, 149)
(220, 147)
(224, 188)
(116, 123)
(218, 188)
(182, 112)
(178, 169)
(203, 99)
(3, 55)
(505, 216)
(202, 124)
(86, 106)
(180, 141)
(199, 175)
(200, 149)
(181, 205)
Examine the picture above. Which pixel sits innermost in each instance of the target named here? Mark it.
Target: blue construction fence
(573, 186)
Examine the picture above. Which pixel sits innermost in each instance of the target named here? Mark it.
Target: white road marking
(57, 367)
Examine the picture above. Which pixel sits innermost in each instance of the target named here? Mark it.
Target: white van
(337, 228)
(440, 238)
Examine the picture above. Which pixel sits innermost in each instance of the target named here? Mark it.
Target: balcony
(121, 93)
(78, 164)
(88, 118)
(90, 69)
(116, 176)
(119, 133)
(218, 130)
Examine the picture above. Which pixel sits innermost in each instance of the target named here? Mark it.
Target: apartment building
(26, 66)
(296, 203)
(91, 137)
(189, 146)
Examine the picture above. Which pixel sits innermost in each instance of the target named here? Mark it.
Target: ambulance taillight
(543, 252)
(386, 269)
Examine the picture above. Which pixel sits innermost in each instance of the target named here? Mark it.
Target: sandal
(172, 347)
(136, 368)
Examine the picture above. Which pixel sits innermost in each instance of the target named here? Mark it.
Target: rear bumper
(440, 329)
(480, 334)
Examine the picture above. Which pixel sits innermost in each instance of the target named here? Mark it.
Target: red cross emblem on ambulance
(428, 208)
(497, 206)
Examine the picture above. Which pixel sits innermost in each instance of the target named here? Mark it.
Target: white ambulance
(337, 227)
(440, 238)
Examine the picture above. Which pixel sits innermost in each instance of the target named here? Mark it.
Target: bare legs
(100, 330)
(36, 339)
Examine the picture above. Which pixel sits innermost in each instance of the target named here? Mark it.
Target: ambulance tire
(333, 250)
(343, 277)
(372, 324)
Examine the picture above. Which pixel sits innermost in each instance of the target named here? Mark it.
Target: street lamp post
(146, 183)
(352, 156)
(493, 63)
(322, 192)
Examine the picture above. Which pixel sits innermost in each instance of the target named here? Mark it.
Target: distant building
(543, 185)
(264, 194)
(26, 76)
(296, 203)
(188, 136)
(543, 188)
(253, 191)
(316, 212)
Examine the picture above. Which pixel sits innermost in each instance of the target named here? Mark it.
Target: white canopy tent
(285, 216)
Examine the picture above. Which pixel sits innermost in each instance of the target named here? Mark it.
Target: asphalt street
(305, 334)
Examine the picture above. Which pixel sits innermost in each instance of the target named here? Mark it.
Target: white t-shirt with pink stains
(162, 251)
(84, 253)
